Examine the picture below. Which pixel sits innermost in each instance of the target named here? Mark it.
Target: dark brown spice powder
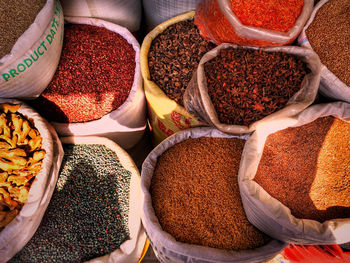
(15, 18)
(196, 196)
(94, 76)
(173, 57)
(329, 36)
(307, 168)
(246, 85)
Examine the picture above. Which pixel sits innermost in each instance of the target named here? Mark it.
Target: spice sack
(169, 55)
(97, 88)
(252, 23)
(235, 89)
(294, 176)
(192, 210)
(120, 12)
(327, 33)
(32, 182)
(95, 210)
(27, 68)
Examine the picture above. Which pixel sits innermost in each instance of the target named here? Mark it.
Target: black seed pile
(88, 213)
(173, 57)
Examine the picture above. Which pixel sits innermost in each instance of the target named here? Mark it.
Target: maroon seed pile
(196, 196)
(94, 76)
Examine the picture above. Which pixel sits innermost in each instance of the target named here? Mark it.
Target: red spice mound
(277, 15)
(196, 197)
(307, 168)
(94, 76)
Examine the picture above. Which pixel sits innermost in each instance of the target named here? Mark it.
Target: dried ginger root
(21, 157)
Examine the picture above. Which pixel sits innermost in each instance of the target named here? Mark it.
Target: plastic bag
(165, 115)
(158, 11)
(16, 234)
(330, 85)
(197, 100)
(120, 12)
(27, 70)
(218, 23)
(166, 248)
(270, 215)
(126, 124)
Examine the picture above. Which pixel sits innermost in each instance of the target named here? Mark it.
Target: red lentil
(246, 85)
(307, 168)
(196, 196)
(94, 76)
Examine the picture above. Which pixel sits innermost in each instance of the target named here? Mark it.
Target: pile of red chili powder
(94, 76)
(307, 168)
(245, 85)
(196, 197)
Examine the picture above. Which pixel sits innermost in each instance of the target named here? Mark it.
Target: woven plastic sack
(27, 70)
(218, 23)
(197, 100)
(165, 115)
(16, 234)
(126, 124)
(120, 12)
(270, 215)
(158, 11)
(131, 250)
(166, 248)
(330, 85)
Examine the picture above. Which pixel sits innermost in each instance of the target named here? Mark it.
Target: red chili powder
(307, 168)
(277, 15)
(94, 76)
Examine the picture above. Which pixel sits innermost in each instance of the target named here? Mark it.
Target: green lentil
(15, 18)
(88, 214)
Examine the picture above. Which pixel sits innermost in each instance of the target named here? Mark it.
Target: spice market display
(21, 156)
(139, 169)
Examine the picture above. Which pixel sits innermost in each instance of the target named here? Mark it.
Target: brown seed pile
(245, 85)
(15, 18)
(329, 34)
(173, 57)
(307, 168)
(196, 197)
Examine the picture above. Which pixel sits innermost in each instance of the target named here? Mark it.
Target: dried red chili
(307, 168)
(94, 76)
(277, 15)
(246, 85)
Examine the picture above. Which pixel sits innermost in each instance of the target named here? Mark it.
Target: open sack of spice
(30, 46)
(97, 88)
(252, 22)
(294, 176)
(30, 158)
(170, 54)
(192, 209)
(95, 211)
(327, 33)
(237, 88)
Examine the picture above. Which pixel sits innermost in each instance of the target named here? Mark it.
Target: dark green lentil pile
(15, 18)
(88, 213)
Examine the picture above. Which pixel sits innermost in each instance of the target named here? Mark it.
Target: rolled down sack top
(191, 202)
(97, 88)
(32, 61)
(294, 176)
(235, 89)
(19, 231)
